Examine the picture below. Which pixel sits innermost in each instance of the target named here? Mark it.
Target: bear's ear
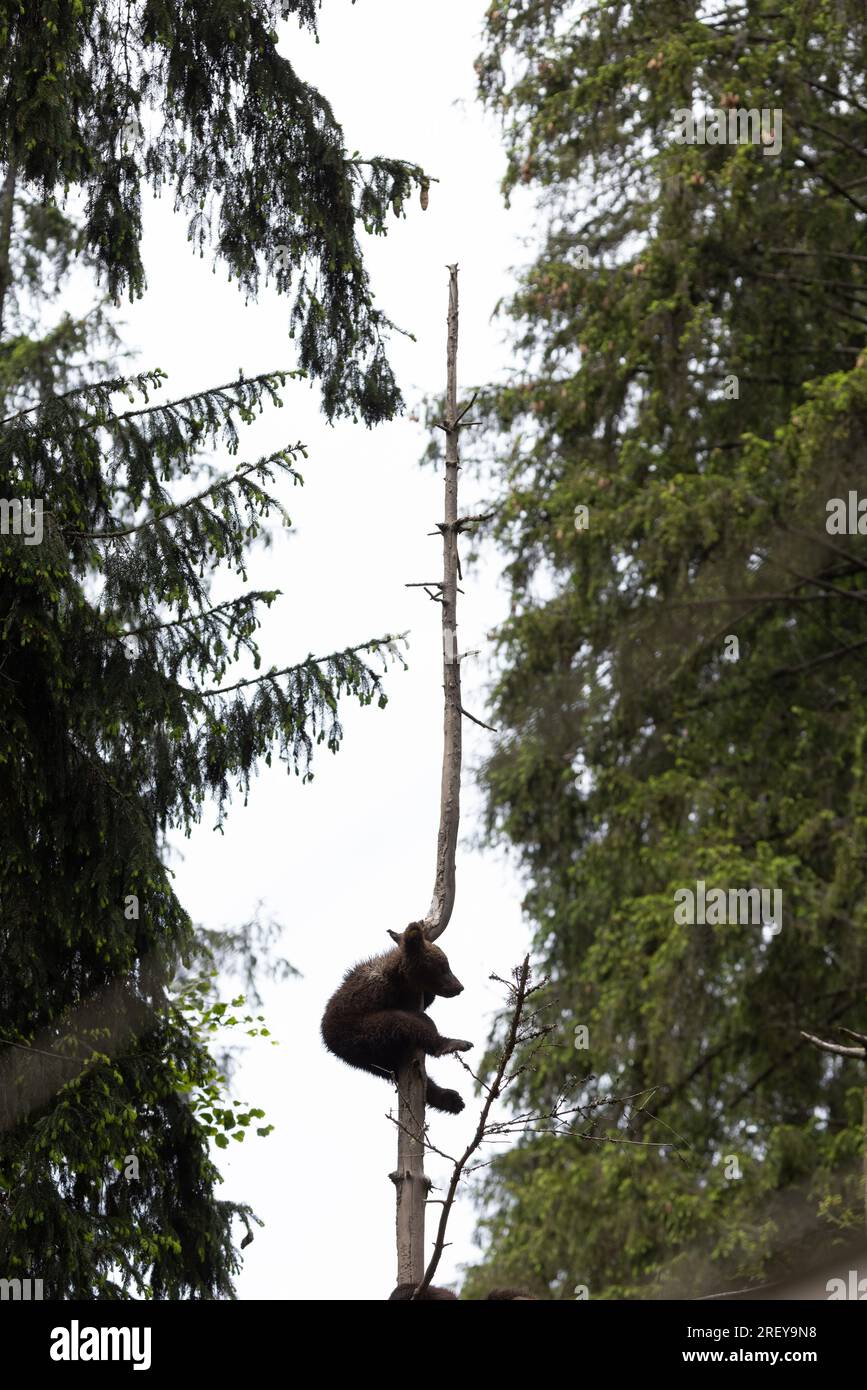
(414, 938)
(395, 936)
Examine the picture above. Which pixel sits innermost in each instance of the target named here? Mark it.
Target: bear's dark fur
(374, 1021)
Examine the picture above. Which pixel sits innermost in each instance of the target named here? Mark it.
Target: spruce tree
(691, 334)
(122, 710)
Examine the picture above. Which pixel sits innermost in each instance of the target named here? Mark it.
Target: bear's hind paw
(439, 1099)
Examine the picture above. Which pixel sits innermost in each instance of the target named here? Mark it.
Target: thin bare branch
(835, 1048)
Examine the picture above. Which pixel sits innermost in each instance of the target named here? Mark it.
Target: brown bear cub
(374, 1021)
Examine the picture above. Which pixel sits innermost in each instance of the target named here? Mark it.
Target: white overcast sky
(345, 858)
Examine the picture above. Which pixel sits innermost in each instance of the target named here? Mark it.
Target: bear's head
(424, 963)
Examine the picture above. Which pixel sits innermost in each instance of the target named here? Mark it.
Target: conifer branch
(238, 476)
(374, 645)
(86, 388)
(228, 608)
(266, 380)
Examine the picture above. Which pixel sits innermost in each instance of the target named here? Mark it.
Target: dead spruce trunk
(409, 1179)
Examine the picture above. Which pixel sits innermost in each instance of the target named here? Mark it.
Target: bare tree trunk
(450, 792)
(409, 1179)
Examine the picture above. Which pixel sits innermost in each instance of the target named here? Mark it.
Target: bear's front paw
(449, 1101)
(454, 1045)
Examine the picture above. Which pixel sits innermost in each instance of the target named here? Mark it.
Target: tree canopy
(194, 98)
(130, 699)
(691, 334)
